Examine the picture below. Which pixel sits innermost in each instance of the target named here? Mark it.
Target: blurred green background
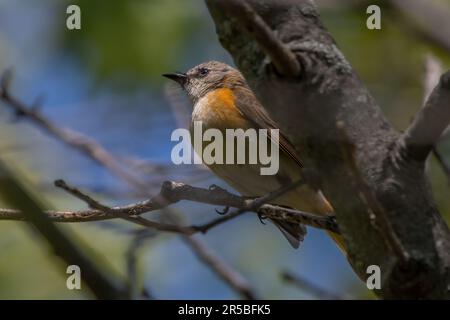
(105, 81)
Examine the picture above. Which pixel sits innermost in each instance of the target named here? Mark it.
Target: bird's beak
(179, 77)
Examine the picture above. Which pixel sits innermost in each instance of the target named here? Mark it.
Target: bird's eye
(203, 71)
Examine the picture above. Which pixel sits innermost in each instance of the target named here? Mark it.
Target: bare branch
(429, 124)
(309, 287)
(119, 214)
(173, 192)
(433, 71)
(223, 270)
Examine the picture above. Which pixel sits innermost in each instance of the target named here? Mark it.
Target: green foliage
(138, 39)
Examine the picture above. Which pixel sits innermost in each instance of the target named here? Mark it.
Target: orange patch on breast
(222, 103)
(222, 98)
(218, 110)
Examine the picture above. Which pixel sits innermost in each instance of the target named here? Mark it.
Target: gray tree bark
(373, 175)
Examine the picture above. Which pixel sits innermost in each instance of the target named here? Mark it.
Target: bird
(222, 100)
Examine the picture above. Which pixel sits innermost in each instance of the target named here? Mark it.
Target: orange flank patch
(222, 98)
(222, 107)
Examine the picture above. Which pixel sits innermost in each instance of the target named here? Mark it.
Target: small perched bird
(222, 100)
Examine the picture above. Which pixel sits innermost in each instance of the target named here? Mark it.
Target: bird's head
(207, 76)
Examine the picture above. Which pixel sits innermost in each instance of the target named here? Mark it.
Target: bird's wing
(247, 103)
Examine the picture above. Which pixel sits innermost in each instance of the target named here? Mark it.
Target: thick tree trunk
(373, 175)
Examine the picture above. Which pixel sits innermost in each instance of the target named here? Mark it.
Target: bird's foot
(261, 217)
(223, 211)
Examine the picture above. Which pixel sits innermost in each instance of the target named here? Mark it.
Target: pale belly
(246, 178)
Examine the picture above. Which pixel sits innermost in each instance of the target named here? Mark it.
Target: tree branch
(173, 192)
(429, 124)
(433, 72)
(307, 109)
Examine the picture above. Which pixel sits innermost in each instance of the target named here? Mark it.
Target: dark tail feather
(294, 233)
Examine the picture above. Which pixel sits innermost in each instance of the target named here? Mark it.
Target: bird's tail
(307, 200)
(293, 232)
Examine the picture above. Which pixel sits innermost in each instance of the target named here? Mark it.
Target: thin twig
(174, 192)
(119, 214)
(308, 286)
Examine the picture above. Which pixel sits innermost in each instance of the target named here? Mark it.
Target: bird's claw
(212, 187)
(224, 211)
(261, 217)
